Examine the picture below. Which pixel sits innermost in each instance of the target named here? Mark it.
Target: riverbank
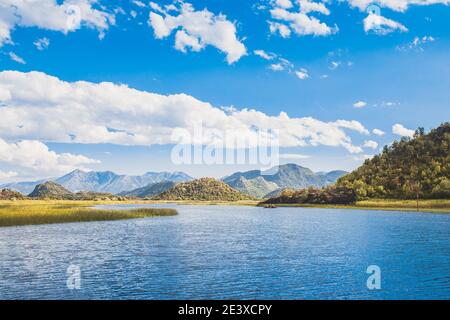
(434, 206)
(30, 212)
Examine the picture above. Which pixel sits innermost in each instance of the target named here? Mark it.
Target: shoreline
(35, 212)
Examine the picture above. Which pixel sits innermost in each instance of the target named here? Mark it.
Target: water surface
(215, 252)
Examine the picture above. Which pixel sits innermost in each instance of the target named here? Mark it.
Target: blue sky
(387, 70)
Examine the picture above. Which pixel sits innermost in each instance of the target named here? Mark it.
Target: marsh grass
(19, 213)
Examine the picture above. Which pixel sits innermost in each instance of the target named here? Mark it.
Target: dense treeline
(326, 195)
(408, 169)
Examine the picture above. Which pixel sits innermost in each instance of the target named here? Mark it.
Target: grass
(28, 212)
(439, 206)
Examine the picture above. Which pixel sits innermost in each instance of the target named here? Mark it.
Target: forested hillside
(408, 169)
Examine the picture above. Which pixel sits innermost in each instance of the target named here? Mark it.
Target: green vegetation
(417, 168)
(205, 189)
(327, 195)
(18, 213)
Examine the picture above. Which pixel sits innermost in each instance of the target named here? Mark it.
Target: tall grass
(41, 212)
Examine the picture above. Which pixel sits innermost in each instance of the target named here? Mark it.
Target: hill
(408, 169)
(7, 194)
(51, 190)
(150, 190)
(103, 182)
(205, 189)
(260, 184)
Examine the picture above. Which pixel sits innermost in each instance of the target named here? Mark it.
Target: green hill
(205, 189)
(412, 168)
(408, 169)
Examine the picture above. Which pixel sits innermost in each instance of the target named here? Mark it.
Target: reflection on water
(214, 252)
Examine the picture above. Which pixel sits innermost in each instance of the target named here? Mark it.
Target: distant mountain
(205, 189)
(106, 182)
(257, 187)
(50, 190)
(150, 190)
(258, 184)
(22, 187)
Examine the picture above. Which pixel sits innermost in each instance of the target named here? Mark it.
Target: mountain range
(107, 181)
(260, 184)
(255, 183)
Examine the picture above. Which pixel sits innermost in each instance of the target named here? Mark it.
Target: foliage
(327, 195)
(205, 189)
(408, 169)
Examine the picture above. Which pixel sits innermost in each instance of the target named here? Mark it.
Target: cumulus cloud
(400, 130)
(65, 16)
(34, 156)
(378, 132)
(197, 29)
(370, 144)
(42, 44)
(299, 20)
(37, 106)
(381, 25)
(360, 104)
(265, 55)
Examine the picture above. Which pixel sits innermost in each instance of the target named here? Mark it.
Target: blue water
(215, 252)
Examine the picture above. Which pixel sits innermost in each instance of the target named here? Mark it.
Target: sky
(110, 85)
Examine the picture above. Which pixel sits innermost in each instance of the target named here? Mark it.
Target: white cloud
(34, 156)
(396, 5)
(360, 104)
(265, 55)
(293, 156)
(139, 3)
(378, 132)
(417, 43)
(65, 17)
(287, 4)
(334, 65)
(282, 29)
(276, 67)
(300, 22)
(370, 144)
(197, 29)
(381, 25)
(40, 107)
(402, 131)
(42, 44)
(16, 58)
(302, 74)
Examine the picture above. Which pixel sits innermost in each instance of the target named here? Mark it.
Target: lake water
(215, 252)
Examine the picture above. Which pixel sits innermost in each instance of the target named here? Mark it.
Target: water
(215, 252)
